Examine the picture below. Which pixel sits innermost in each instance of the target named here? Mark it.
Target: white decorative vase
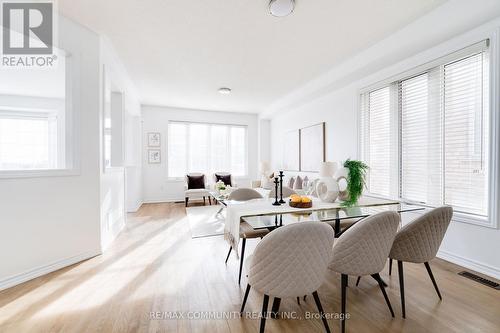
(327, 189)
(341, 178)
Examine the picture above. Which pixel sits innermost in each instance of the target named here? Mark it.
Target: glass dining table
(341, 218)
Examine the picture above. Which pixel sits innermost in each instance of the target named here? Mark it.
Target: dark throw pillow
(226, 179)
(196, 182)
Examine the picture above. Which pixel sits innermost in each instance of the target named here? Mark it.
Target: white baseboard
(133, 208)
(470, 264)
(42, 270)
(160, 200)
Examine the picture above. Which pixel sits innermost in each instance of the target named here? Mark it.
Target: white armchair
(224, 174)
(195, 190)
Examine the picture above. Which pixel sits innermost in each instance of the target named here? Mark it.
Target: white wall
(50, 222)
(336, 110)
(333, 98)
(264, 137)
(156, 186)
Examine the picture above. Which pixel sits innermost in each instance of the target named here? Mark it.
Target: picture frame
(291, 151)
(154, 139)
(312, 147)
(154, 156)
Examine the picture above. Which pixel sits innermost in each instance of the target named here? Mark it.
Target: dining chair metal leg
(230, 249)
(390, 266)
(381, 280)
(276, 307)
(321, 313)
(264, 314)
(245, 298)
(357, 281)
(343, 282)
(382, 288)
(428, 267)
(243, 244)
(204, 202)
(210, 201)
(402, 287)
(187, 200)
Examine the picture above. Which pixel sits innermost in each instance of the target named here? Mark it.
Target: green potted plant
(355, 176)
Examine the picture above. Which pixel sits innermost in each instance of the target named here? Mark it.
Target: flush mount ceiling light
(225, 91)
(281, 8)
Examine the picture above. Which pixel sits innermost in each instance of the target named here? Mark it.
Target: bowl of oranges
(298, 201)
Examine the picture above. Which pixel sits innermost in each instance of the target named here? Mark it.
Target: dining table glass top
(329, 215)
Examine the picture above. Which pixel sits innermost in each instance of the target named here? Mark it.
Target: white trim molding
(470, 264)
(46, 269)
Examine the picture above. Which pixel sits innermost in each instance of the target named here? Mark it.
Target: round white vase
(327, 189)
(341, 177)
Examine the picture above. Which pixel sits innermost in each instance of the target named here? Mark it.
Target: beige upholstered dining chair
(246, 230)
(286, 192)
(289, 262)
(418, 242)
(244, 194)
(362, 250)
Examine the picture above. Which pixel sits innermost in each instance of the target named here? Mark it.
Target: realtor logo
(28, 29)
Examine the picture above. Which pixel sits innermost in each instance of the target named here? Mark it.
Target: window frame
(445, 54)
(229, 126)
(71, 129)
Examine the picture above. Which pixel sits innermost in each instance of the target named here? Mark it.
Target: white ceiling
(179, 52)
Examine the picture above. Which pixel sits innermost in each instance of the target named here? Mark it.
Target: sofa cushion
(195, 181)
(297, 185)
(225, 178)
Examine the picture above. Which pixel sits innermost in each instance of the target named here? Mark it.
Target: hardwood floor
(155, 266)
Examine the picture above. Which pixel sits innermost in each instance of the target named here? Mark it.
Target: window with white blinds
(443, 135)
(465, 134)
(378, 134)
(421, 139)
(206, 148)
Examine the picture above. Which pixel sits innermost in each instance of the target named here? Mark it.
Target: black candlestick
(281, 187)
(276, 182)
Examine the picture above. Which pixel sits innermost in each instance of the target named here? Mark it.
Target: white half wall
(120, 187)
(47, 223)
(156, 185)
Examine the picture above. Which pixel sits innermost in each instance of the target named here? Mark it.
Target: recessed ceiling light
(281, 8)
(225, 91)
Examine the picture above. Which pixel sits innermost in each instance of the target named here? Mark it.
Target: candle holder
(281, 187)
(276, 182)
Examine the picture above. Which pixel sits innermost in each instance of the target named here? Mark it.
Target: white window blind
(206, 148)
(377, 120)
(465, 133)
(443, 129)
(421, 139)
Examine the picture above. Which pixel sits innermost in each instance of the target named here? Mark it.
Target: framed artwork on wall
(154, 156)
(312, 147)
(291, 151)
(154, 139)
